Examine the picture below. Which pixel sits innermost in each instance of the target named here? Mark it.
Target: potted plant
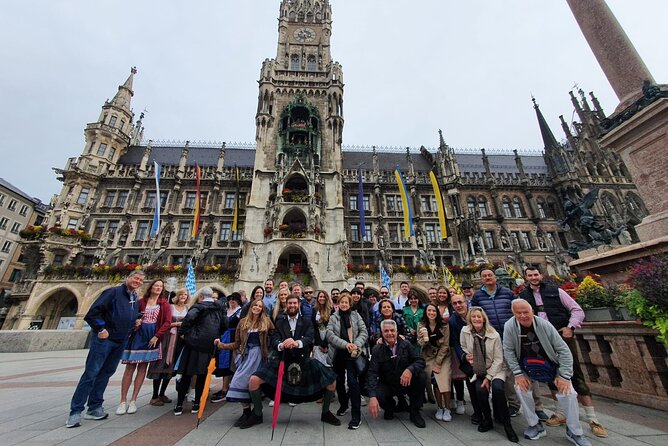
(648, 299)
(599, 303)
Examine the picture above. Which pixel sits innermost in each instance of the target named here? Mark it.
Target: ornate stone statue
(594, 230)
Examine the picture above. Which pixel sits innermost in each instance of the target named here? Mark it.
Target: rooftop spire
(549, 140)
(125, 93)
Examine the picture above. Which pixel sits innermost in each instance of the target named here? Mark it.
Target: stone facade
(293, 196)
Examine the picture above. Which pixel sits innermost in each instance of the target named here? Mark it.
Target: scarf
(345, 324)
(479, 365)
(434, 336)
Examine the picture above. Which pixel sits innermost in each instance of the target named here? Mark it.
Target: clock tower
(294, 215)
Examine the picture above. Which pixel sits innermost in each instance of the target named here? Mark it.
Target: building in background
(18, 211)
(289, 205)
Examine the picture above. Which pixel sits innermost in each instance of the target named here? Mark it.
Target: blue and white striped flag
(190, 280)
(155, 227)
(384, 278)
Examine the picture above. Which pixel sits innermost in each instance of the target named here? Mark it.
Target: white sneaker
(439, 415)
(132, 407)
(447, 416)
(292, 404)
(363, 402)
(271, 403)
(122, 409)
(460, 409)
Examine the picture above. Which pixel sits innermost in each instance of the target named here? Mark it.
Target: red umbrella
(277, 396)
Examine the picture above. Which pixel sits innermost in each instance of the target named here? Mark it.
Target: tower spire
(125, 93)
(549, 141)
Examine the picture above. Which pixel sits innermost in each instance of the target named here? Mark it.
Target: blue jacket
(456, 325)
(116, 310)
(497, 305)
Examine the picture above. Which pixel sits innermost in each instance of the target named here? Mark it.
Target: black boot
(417, 419)
(510, 433)
(486, 425)
(243, 417)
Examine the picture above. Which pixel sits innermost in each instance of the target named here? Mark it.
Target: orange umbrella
(205, 391)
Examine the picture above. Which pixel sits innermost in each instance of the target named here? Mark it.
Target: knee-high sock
(256, 398)
(326, 401)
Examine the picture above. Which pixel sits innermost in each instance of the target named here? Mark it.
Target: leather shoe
(476, 418)
(510, 433)
(329, 418)
(251, 421)
(486, 425)
(244, 416)
(417, 420)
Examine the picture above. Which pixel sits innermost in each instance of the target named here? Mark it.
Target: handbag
(360, 360)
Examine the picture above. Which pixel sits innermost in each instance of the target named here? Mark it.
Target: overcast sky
(410, 68)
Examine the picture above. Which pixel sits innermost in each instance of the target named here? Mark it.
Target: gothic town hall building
(288, 206)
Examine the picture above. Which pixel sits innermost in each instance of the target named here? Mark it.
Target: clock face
(305, 35)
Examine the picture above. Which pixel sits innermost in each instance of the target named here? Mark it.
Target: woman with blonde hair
(434, 339)
(251, 343)
(484, 351)
(322, 311)
(281, 301)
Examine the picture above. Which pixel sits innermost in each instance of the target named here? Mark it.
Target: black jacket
(385, 369)
(303, 332)
(204, 322)
(557, 314)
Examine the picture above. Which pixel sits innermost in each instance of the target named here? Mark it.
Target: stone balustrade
(624, 360)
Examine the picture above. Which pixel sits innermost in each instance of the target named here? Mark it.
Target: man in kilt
(305, 379)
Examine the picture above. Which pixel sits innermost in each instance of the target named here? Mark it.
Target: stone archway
(61, 304)
(293, 266)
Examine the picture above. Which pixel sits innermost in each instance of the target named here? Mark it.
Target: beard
(292, 312)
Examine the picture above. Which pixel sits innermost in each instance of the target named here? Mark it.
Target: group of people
(348, 343)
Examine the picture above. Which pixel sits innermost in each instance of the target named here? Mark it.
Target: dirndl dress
(246, 365)
(315, 377)
(138, 350)
(171, 348)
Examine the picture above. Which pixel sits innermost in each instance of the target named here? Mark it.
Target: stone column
(614, 52)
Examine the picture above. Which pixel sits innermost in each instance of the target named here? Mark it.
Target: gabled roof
(9, 186)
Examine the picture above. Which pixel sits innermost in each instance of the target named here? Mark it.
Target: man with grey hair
(396, 369)
(204, 323)
(111, 318)
(535, 352)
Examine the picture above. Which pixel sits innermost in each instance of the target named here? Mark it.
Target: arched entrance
(58, 311)
(293, 266)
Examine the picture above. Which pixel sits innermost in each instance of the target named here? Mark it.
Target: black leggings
(158, 389)
(459, 389)
(183, 386)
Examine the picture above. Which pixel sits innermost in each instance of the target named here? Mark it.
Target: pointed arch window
(112, 121)
(540, 206)
(482, 207)
(295, 62)
(471, 204)
(507, 210)
(311, 63)
(517, 207)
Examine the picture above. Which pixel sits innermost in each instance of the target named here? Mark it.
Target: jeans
(101, 363)
(346, 368)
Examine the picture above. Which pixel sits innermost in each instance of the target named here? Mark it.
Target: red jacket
(164, 315)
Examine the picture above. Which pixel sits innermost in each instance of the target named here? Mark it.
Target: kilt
(315, 377)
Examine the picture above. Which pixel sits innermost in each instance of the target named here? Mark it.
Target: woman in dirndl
(434, 339)
(225, 366)
(144, 343)
(251, 344)
(161, 371)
